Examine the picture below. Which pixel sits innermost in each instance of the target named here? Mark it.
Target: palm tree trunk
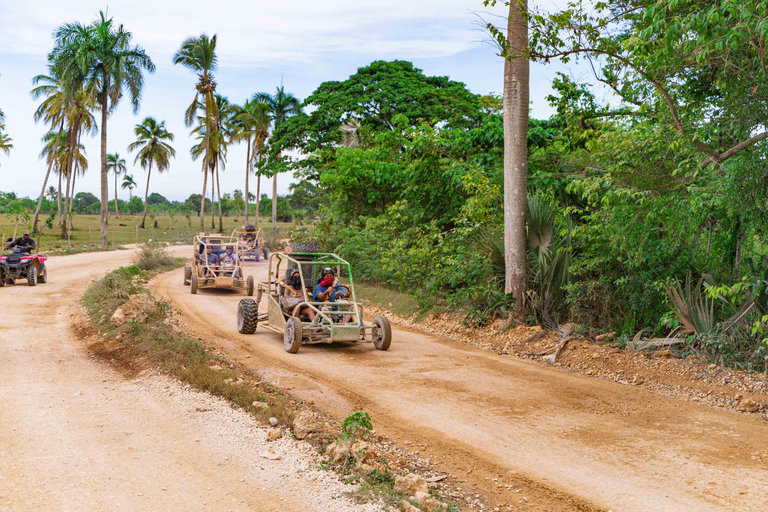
(515, 101)
(274, 204)
(258, 191)
(66, 208)
(213, 194)
(72, 198)
(117, 212)
(218, 195)
(248, 158)
(104, 172)
(47, 175)
(58, 197)
(202, 199)
(146, 195)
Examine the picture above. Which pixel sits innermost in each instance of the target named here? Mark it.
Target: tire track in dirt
(504, 428)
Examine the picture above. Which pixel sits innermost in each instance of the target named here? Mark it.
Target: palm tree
(5, 141)
(515, 100)
(100, 58)
(117, 166)
(51, 193)
(152, 148)
(199, 55)
(252, 125)
(51, 110)
(281, 106)
(129, 184)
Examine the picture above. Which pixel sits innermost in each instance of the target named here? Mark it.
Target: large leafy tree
(102, 59)
(116, 164)
(281, 106)
(152, 148)
(199, 55)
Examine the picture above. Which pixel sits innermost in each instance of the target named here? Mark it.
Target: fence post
(90, 238)
(137, 235)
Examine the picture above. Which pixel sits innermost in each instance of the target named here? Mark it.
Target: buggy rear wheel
(187, 275)
(193, 284)
(265, 251)
(32, 276)
(382, 333)
(247, 316)
(249, 285)
(292, 336)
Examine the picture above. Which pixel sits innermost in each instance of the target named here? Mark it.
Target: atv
(20, 264)
(341, 320)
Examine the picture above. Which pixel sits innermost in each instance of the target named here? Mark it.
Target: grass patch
(157, 342)
(152, 257)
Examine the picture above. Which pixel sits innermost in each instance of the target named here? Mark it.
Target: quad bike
(252, 244)
(200, 273)
(341, 320)
(20, 264)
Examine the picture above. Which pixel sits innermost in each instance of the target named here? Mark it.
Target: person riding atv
(24, 242)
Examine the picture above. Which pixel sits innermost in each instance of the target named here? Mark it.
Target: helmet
(327, 270)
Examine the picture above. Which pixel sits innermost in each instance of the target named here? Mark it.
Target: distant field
(124, 230)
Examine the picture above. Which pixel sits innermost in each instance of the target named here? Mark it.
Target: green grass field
(124, 230)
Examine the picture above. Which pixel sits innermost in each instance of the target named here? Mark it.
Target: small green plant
(357, 424)
(50, 219)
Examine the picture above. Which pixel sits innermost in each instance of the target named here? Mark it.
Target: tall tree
(129, 184)
(199, 55)
(117, 166)
(152, 148)
(252, 125)
(101, 57)
(281, 106)
(515, 103)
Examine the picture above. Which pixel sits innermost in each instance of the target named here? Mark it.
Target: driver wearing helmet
(24, 242)
(229, 257)
(326, 289)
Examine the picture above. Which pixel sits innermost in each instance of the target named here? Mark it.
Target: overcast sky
(300, 43)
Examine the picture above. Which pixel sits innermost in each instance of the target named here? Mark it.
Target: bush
(153, 257)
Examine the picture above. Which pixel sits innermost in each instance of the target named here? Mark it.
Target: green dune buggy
(340, 320)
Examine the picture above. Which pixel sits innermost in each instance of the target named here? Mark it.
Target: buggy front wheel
(193, 284)
(247, 316)
(292, 336)
(382, 333)
(249, 286)
(187, 275)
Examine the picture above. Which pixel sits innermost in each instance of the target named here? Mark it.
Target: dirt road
(76, 436)
(521, 435)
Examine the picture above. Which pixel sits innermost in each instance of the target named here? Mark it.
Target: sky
(261, 44)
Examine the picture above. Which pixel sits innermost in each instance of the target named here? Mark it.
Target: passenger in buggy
(294, 295)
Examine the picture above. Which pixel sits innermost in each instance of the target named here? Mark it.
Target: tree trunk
(515, 102)
(72, 197)
(65, 211)
(218, 196)
(202, 199)
(104, 172)
(117, 212)
(58, 197)
(258, 191)
(274, 204)
(248, 159)
(146, 195)
(213, 195)
(47, 175)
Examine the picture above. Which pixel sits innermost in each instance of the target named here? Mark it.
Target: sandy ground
(518, 435)
(76, 436)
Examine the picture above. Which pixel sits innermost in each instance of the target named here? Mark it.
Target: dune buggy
(222, 271)
(341, 320)
(20, 264)
(251, 242)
